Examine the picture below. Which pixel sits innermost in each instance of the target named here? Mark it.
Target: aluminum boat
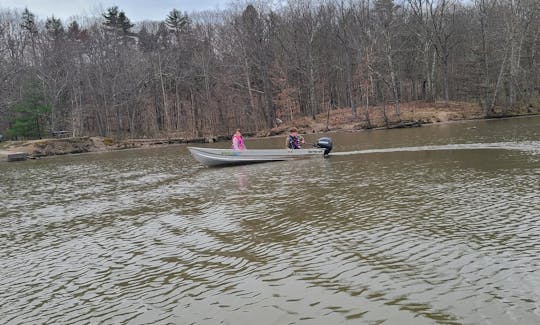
(224, 157)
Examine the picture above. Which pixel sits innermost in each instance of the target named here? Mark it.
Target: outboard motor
(325, 143)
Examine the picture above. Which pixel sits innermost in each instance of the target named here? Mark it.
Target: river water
(439, 224)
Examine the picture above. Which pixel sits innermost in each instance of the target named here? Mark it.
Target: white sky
(136, 10)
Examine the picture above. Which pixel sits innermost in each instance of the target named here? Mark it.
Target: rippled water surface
(439, 224)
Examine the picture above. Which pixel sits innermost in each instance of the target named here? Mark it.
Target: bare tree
(387, 25)
(442, 17)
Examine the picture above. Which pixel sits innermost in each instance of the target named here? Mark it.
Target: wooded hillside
(251, 66)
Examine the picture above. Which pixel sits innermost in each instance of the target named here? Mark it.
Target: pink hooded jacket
(238, 142)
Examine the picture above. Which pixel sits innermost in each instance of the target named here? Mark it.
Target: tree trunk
(394, 87)
(350, 84)
(446, 94)
(166, 121)
(499, 80)
(366, 112)
(432, 77)
(312, 100)
(248, 81)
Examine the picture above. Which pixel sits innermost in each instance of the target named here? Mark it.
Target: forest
(255, 65)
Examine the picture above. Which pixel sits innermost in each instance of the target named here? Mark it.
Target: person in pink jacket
(238, 141)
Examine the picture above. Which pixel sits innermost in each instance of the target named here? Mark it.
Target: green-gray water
(439, 224)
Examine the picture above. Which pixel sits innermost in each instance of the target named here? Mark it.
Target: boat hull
(226, 157)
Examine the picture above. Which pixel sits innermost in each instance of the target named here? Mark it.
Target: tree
(31, 114)
(442, 16)
(74, 30)
(256, 33)
(29, 27)
(28, 22)
(177, 21)
(54, 27)
(421, 31)
(386, 22)
(117, 21)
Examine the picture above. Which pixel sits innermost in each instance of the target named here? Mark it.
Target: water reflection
(416, 231)
(243, 178)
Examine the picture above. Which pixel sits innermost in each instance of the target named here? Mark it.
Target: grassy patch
(108, 141)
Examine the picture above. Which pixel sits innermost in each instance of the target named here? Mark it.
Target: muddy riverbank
(75, 145)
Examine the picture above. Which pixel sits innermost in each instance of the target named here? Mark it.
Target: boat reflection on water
(243, 179)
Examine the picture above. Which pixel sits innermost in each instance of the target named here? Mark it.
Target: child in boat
(238, 141)
(294, 140)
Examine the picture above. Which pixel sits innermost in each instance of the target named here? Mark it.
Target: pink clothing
(238, 142)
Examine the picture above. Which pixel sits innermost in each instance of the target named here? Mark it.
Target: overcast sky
(136, 10)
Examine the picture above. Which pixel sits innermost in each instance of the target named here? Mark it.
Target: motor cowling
(325, 143)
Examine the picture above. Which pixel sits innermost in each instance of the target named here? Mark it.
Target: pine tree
(117, 21)
(74, 30)
(29, 22)
(30, 114)
(54, 27)
(177, 21)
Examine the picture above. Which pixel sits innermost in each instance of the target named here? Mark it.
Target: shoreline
(36, 149)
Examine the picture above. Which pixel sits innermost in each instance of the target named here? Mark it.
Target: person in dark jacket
(294, 140)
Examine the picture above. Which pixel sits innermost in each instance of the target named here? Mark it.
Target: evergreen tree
(74, 31)
(177, 21)
(29, 22)
(30, 114)
(54, 27)
(74, 28)
(117, 21)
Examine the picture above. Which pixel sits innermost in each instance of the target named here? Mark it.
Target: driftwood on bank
(405, 124)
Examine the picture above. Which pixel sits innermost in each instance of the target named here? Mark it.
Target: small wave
(529, 146)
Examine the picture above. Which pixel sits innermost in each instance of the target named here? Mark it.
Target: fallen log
(405, 124)
(16, 156)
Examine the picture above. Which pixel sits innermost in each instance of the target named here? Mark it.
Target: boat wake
(529, 146)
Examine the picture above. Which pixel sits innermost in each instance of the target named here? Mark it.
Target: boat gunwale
(215, 156)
